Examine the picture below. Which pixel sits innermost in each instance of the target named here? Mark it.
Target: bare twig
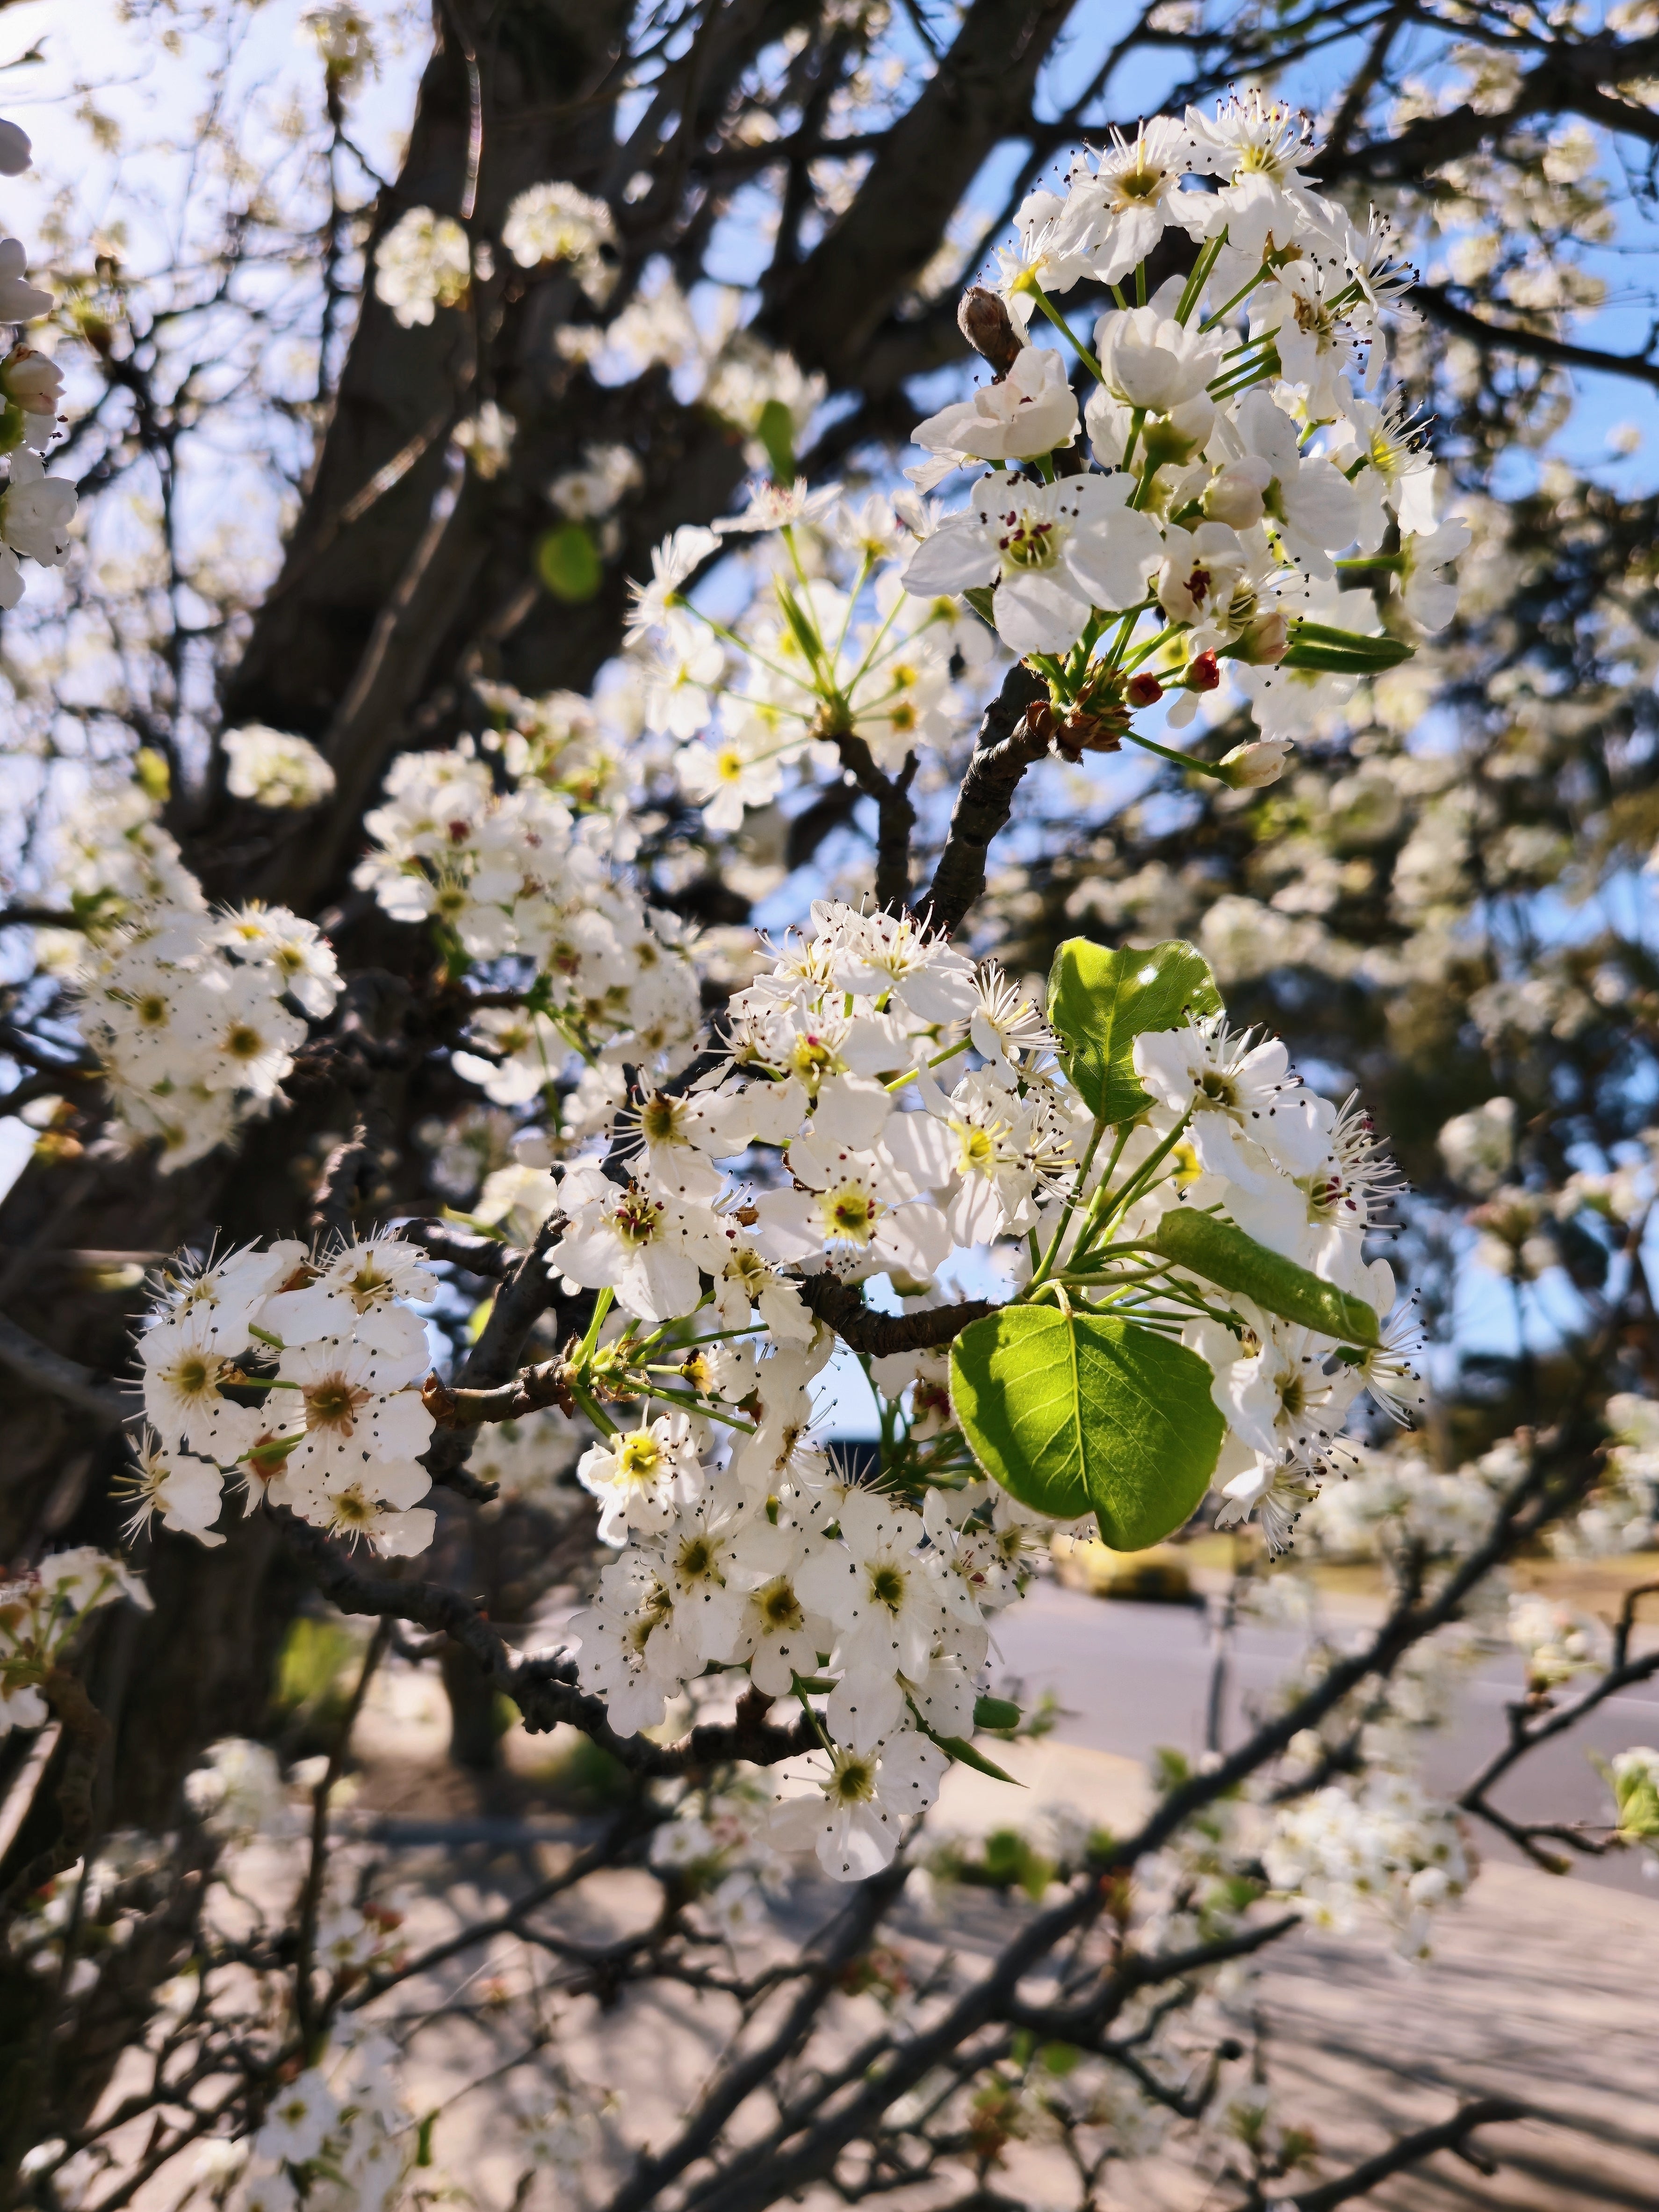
(1411, 2150)
(62, 1378)
(1006, 748)
(489, 1257)
(896, 817)
(544, 1689)
(841, 1307)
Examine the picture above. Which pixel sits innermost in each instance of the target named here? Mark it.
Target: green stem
(1132, 661)
(1181, 760)
(1046, 1268)
(1065, 328)
(601, 1308)
(688, 1404)
(1208, 256)
(937, 1060)
(595, 1413)
(1210, 321)
(1138, 1182)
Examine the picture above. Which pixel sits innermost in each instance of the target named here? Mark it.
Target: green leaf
(1343, 652)
(1001, 1713)
(776, 432)
(568, 563)
(1222, 1253)
(1101, 1001)
(1072, 1413)
(967, 1755)
(799, 622)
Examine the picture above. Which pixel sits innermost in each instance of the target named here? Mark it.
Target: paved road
(1136, 1676)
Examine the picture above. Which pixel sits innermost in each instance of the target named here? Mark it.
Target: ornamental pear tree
(629, 897)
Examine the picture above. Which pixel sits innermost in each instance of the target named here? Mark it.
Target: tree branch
(488, 1256)
(1004, 750)
(524, 1296)
(59, 1377)
(544, 1690)
(896, 817)
(1507, 338)
(1409, 2151)
(840, 1306)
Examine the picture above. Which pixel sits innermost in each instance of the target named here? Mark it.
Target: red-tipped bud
(1143, 690)
(1203, 673)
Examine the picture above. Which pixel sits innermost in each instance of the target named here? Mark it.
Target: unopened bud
(1262, 761)
(33, 382)
(1234, 496)
(984, 321)
(1265, 642)
(1203, 672)
(1143, 690)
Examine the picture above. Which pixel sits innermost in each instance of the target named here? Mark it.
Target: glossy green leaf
(1081, 1412)
(1222, 1253)
(568, 563)
(1101, 1000)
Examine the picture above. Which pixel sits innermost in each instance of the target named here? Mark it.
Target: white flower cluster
(1310, 1182)
(516, 873)
(41, 1611)
(592, 492)
(338, 2135)
(557, 221)
(1555, 1642)
(344, 38)
(238, 1792)
(811, 663)
(730, 371)
(717, 1849)
(1396, 1499)
(746, 378)
(111, 855)
(1620, 1511)
(1240, 476)
(194, 1016)
(273, 768)
(762, 1555)
(298, 1377)
(36, 510)
(423, 262)
(1242, 459)
(1379, 1843)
